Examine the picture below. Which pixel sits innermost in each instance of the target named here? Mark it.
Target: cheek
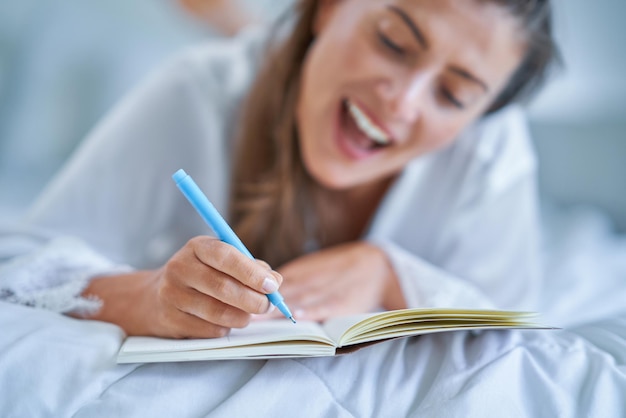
(445, 133)
(434, 132)
(329, 74)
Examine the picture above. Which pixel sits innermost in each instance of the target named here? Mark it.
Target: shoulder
(220, 69)
(499, 147)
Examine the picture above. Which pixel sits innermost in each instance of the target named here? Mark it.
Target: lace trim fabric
(54, 276)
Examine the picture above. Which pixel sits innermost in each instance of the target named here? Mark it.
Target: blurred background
(64, 63)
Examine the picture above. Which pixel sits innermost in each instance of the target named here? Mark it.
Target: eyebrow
(422, 41)
(411, 24)
(468, 76)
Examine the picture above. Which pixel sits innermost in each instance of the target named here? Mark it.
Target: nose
(405, 97)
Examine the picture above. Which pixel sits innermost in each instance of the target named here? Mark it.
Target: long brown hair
(275, 207)
(271, 192)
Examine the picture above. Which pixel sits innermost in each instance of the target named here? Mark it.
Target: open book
(280, 338)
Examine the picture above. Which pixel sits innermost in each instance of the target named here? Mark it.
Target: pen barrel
(276, 298)
(207, 211)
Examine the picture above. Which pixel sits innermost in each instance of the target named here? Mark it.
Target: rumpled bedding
(52, 365)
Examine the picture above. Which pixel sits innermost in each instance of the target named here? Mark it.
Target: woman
(375, 165)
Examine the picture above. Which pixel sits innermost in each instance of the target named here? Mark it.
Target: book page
(390, 324)
(335, 328)
(259, 338)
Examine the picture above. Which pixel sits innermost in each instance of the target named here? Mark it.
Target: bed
(52, 365)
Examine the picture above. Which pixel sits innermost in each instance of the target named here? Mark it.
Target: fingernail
(270, 309)
(269, 285)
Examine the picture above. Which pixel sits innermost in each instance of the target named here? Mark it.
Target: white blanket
(52, 365)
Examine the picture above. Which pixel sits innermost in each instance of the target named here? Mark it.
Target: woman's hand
(204, 290)
(347, 279)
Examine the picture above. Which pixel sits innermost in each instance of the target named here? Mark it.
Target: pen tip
(292, 320)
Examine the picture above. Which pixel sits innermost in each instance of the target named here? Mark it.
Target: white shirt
(459, 226)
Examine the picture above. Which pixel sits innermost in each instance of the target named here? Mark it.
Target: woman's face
(388, 80)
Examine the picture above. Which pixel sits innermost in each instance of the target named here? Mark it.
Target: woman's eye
(451, 98)
(389, 44)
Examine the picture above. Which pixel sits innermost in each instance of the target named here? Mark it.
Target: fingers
(227, 259)
(263, 264)
(188, 313)
(306, 288)
(214, 311)
(312, 295)
(194, 327)
(229, 291)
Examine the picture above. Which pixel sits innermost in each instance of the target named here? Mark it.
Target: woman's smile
(357, 135)
(374, 131)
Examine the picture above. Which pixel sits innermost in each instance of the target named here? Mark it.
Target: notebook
(279, 338)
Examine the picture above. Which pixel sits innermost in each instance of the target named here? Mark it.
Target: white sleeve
(426, 285)
(495, 245)
(481, 247)
(490, 259)
(115, 197)
(53, 276)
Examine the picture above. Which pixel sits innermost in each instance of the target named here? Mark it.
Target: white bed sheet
(51, 365)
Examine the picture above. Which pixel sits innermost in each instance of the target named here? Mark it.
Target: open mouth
(369, 128)
(359, 136)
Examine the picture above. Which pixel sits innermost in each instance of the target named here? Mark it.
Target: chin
(331, 184)
(330, 178)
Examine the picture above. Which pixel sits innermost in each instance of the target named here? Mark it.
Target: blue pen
(212, 217)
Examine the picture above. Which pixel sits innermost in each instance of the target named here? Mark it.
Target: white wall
(64, 63)
(579, 122)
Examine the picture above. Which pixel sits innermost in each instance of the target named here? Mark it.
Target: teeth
(366, 125)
